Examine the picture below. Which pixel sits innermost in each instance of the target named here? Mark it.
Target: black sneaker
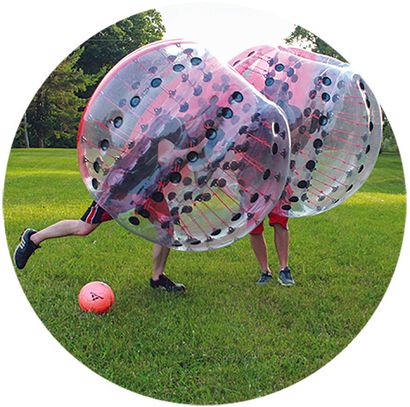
(24, 249)
(264, 278)
(285, 277)
(166, 284)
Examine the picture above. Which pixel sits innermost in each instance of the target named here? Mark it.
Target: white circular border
(372, 370)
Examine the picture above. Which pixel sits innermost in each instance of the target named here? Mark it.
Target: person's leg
(258, 244)
(159, 279)
(282, 249)
(30, 239)
(159, 260)
(260, 249)
(63, 228)
(282, 245)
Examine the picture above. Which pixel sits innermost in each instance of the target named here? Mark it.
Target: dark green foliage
(108, 46)
(307, 40)
(55, 111)
(227, 339)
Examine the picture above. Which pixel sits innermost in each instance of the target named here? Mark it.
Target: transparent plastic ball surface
(181, 150)
(334, 119)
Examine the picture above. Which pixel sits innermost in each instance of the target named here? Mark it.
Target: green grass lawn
(226, 339)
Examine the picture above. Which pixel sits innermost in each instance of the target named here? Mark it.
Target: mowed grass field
(225, 339)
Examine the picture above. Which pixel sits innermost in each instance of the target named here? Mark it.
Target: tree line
(52, 118)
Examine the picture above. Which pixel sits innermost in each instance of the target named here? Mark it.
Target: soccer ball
(96, 297)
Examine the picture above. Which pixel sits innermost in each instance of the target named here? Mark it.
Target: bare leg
(282, 245)
(159, 260)
(260, 249)
(63, 228)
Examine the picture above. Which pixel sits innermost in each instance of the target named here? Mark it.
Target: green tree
(54, 113)
(307, 40)
(110, 45)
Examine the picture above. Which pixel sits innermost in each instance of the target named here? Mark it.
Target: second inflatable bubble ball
(334, 118)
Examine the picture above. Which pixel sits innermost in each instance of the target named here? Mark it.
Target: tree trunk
(26, 131)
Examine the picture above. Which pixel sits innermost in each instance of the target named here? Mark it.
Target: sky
(225, 30)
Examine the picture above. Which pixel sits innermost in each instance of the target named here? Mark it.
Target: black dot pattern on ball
(95, 183)
(178, 67)
(117, 122)
(134, 220)
(156, 82)
(192, 156)
(269, 81)
(202, 180)
(221, 182)
(237, 96)
(135, 101)
(310, 165)
(188, 195)
(175, 177)
(216, 232)
(318, 143)
(96, 166)
(254, 197)
(325, 97)
(234, 165)
(186, 209)
(211, 134)
(157, 196)
(196, 61)
(275, 148)
(236, 217)
(326, 81)
(323, 120)
(227, 112)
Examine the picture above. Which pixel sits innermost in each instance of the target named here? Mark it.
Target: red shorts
(274, 219)
(95, 214)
